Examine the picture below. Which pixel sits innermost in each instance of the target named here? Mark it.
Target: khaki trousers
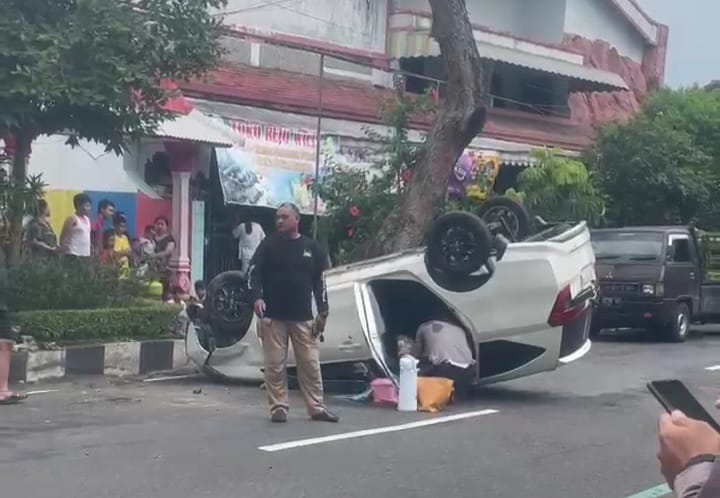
(275, 335)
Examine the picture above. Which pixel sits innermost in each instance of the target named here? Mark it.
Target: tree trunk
(461, 118)
(16, 206)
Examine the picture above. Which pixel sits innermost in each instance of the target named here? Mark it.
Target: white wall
(544, 20)
(85, 167)
(599, 20)
(357, 24)
(539, 20)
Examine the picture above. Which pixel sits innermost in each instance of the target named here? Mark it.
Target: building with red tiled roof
(561, 67)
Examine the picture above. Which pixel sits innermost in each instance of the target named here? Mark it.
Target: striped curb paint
(117, 359)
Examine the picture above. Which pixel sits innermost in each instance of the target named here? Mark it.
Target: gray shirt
(701, 480)
(443, 342)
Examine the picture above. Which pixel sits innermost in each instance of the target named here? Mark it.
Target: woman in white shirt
(75, 238)
(249, 235)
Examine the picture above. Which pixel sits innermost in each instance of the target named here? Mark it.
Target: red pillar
(183, 156)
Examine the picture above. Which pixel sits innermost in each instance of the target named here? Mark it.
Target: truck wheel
(459, 244)
(506, 216)
(677, 330)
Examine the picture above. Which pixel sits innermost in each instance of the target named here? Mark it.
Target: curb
(115, 359)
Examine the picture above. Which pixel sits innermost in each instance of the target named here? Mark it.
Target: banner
(272, 165)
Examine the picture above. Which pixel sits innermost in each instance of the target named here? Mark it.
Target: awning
(199, 128)
(583, 78)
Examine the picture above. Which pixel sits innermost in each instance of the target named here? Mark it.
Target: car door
(343, 340)
(681, 275)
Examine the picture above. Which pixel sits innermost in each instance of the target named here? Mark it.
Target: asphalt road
(586, 430)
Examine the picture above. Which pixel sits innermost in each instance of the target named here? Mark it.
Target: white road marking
(43, 391)
(171, 377)
(713, 368)
(372, 432)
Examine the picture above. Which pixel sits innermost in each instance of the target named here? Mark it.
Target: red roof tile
(356, 101)
(292, 92)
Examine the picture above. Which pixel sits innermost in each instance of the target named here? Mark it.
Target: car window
(630, 245)
(681, 250)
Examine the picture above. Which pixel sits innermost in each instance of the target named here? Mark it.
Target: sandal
(13, 398)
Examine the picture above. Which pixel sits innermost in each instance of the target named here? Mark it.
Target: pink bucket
(384, 391)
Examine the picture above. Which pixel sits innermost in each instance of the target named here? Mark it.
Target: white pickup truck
(526, 306)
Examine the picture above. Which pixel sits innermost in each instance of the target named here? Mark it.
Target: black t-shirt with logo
(285, 273)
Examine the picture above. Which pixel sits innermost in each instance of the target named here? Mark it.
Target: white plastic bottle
(407, 397)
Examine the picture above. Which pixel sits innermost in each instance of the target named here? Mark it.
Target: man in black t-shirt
(284, 274)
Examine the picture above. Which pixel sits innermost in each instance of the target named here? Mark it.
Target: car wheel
(507, 217)
(228, 302)
(459, 244)
(457, 283)
(678, 328)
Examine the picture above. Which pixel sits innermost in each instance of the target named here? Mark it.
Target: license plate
(620, 288)
(611, 301)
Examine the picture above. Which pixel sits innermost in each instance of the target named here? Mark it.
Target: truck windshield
(636, 246)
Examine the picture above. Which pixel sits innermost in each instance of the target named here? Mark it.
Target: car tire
(678, 328)
(457, 283)
(459, 244)
(495, 206)
(227, 301)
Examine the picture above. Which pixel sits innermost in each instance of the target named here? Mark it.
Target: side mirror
(670, 252)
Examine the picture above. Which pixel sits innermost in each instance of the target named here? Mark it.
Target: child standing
(107, 253)
(143, 250)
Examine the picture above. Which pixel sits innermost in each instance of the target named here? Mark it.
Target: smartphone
(673, 395)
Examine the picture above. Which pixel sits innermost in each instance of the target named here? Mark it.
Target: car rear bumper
(575, 342)
(633, 314)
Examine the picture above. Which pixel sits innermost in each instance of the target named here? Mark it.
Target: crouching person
(443, 350)
(285, 272)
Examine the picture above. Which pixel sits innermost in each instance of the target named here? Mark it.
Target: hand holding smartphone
(673, 395)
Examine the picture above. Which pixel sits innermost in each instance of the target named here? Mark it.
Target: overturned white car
(525, 306)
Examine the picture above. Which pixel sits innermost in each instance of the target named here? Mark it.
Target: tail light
(566, 309)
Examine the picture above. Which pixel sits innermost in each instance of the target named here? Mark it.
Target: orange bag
(434, 393)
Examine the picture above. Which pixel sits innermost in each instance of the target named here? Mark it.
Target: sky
(694, 47)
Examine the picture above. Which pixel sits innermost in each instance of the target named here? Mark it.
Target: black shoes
(325, 416)
(278, 417)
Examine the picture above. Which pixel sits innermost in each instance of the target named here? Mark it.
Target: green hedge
(102, 325)
(69, 285)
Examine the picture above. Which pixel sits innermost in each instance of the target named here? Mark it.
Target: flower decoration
(354, 211)
(475, 192)
(405, 176)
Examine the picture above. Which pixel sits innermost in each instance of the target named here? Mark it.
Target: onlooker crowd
(104, 239)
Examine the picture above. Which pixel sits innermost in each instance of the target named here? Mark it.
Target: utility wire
(253, 7)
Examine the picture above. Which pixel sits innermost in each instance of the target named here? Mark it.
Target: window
(625, 245)
(680, 250)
